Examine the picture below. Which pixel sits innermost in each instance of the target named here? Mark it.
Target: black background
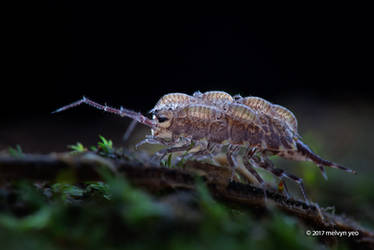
(131, 56)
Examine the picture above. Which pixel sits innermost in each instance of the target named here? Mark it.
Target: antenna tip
(56, 111)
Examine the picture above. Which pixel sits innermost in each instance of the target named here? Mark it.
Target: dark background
(122, 55)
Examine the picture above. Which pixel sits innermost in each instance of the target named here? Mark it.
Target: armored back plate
(202, 112)
(173, 101)
(216, 97)
(241, 112)
(256, 103)
(285, 115)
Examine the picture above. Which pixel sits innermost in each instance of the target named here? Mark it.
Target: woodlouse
(215, 120)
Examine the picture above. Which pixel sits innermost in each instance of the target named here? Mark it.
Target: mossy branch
(85, 167)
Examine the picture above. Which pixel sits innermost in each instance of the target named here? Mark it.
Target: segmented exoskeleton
(215, 121)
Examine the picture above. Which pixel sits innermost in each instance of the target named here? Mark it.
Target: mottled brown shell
(216, 97)
(241, 112)
(180, 100)
(273, 110)
(256, 103)
(285, 115)
(196, 113)
(173, 101)
(202, 112)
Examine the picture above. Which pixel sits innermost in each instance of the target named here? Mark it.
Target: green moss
(16, 152)
(105, 145)
(115, 215)
(112, 214)
(77, 148)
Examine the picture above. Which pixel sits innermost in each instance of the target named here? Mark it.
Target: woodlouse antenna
(121, 112)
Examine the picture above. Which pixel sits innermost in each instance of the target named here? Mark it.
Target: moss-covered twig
(84, 167)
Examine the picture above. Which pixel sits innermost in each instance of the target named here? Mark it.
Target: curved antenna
(121, 112)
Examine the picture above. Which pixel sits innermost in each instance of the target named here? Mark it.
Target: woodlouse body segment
(273, 110)
(238, 135)
(241, 113)
(196, 120)
(215, 120)
(285, 115)
(219, 98)
(256, 103)
(173, 101)
(202, 112)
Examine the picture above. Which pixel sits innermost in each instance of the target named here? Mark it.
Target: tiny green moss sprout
(16, 152)
(105, 145)
(77, 148)
(167, 163)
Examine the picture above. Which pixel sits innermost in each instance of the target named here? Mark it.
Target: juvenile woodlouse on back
(216, 122)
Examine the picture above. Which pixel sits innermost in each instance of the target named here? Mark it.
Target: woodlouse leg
(129, 130)
(164, 152)
(206, 150)
(249, 167)
(151, 140)
(231, 158)
(323, 171)
(280, 173)
(320, 214)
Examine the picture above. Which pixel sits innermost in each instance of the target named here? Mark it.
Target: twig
(156, 179)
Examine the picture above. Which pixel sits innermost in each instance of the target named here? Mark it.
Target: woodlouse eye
(162, 119)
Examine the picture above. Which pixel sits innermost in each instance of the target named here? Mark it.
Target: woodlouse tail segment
(307, 152)
(121, 112)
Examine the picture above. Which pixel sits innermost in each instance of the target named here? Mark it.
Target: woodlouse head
(162, 119)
